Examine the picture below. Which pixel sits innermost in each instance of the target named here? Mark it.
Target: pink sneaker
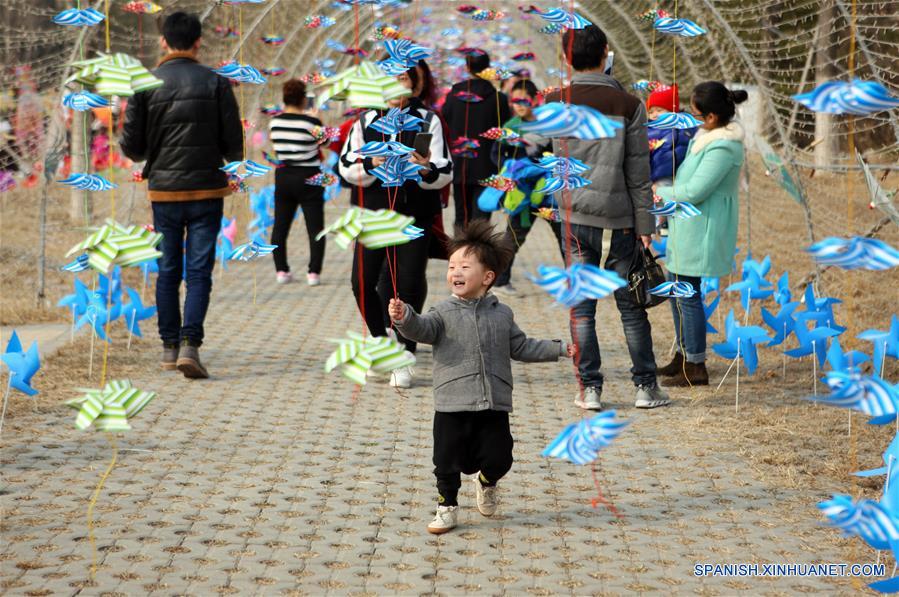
(313, 279)
(284, 277)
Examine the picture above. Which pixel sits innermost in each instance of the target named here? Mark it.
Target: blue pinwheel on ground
(886, 344)
(783, 324)
(22, 364)
(134, 312)
(824, 306)
(740, 342)
(782, 294)
(581, 442)
(845, 362)
(812, 341)
(98, 314)
(708, 310)
(753, 286)
(77, 301)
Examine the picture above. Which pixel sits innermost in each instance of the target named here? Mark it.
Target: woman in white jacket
(421, 200)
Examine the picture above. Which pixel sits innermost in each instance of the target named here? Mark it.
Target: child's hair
(713, 97)
(294, 93)
(477, 62)
(527, 85)
(489, 247)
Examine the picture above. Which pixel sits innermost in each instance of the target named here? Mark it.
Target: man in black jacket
(185, 130)
(469, 119)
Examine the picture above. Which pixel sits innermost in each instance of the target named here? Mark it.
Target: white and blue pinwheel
(75, 17)
(681, 27)
(741, 342)
(403, 55)
(240, 73)
(855, 253)
(251, 250)
(80, 264)
(383, 149)
(396, 170)
(557, 119)
(869, 395)
(396, 121)
(673, 289)
(569, 182)
(82, 101)
(581, 442)
(560, 166)
(578, 283)
(242, 170)
(88, 182)
(676, 209)
(839, 97)
(562, 18)
(674, 120)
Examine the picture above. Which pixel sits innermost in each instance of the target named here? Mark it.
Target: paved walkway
(274, 477)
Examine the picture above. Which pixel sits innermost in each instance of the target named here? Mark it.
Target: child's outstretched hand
(396, 309)
(572, 350)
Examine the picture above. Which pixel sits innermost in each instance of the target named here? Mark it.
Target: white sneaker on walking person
(589, 398)
(402, 377)
(313, 279)
(284, 277)
(486, 497)
(651, 397)
(445, 520)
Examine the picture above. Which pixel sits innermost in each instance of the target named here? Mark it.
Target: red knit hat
(665, 97)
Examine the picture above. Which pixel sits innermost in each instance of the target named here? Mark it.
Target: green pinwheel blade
(115, 74)
(347, 349)
(362, 86)
(89, 410)
(345, 229)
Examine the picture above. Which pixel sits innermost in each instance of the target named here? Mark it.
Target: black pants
(291, 191)
(409, 262)
(516, 233)
(465, 198)
(468, 442)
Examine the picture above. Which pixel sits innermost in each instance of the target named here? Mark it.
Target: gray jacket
(620, 193)
(474, 344)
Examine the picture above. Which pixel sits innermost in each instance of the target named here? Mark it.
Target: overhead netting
(774, 49)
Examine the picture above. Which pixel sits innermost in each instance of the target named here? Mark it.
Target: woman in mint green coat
(703, 245)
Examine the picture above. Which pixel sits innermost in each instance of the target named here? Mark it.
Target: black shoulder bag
(643, 275)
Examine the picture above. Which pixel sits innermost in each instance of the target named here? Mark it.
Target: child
(667, 148)
(475, 339)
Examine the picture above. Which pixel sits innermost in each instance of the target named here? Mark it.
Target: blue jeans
(689, 321)
(586, 247)
(199, 222)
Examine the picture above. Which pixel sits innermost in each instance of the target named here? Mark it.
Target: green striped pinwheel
(115, 74)
(110, 408)
(356, 354)
(114, 244)
(362, 86)
(374, 229)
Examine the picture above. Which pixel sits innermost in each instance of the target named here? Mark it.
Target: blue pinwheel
(681, 27)
(403, 55)
(75, 17)
(149, 267)
(251, 250)
(109, 288)
(708, 310)
(80, 264)
(871, 396)
(675, 289)
(241, 170)
(676, 209)
(839, 97)
(578, 283)
(98, 314)
(77, 301)
(674, 120)
(561, 166)
(395, 121)
(384, 149)
(812, 341)
(855, 253)
(82, 101)
(262, 204)
(88, 182)
(753, 286)
(783, 324)
(740, 342)
(135, 312)
(782, 294)
(824, 306)
(581, 442)
(559, 18)
(240, 73)
(886, 344)
(889, 468)
(556, 184)
(660, 246)
(844, 362)
(557, 119)
(710, 285)
(396, 171)
(867, 519)
(22, 365)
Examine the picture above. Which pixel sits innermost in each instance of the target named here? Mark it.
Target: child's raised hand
(396, 309)
(572, 350)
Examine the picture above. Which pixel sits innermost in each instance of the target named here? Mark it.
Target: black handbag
(644, 275)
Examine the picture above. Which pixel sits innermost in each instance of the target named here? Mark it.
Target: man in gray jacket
(618, 199)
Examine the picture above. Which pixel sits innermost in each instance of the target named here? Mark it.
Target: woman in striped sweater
(297, 148)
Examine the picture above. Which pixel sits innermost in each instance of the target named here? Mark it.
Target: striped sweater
(292, 139)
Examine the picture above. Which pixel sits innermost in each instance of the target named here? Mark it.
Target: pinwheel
(322, 179)
(650, 86)
(845, 362)
(708, 310)
(82, 101)
(272, 40)
(676, 209)
(523, 57)
(869, 395)
(403, 55)
(890, 486)
(227, 31)
(578, 283)
(77, 301)
(134, 312)
(812, 341)
(559, 18)
(383, 149)
(674, 120)
(374, 229)
(494, 74)
(396, 171)
(783, 324)
(395, 121)
(504, 135)
(318, 21)
(681, 27)
(356, 355)
(273, 71)
(839, 97)
(114, 244)
(362, 86)
(855, 253)
(777, 170)
(240, 73)
(549, 214)
(382, 32)
(753, 286)
(673, 290)
(262, 204)
(245, 169)
(741, 342)
(80, 264)
(652, 15)
(115, 74)
(557, 119)
(224, 243)
(465, 148)
(581, 442)
(251, 250)
(782, 294)
(867, 519)
(142, 8)
(495, 181)
(886, 344)
(271, 159)
(98, 314)
(709, 285)
(22, 365)
(109, 408)
(109, 288)
(823, 306)
(88, 182)
(75, 17)
(660, 246)
(655, 144)
(880, 198)
(468, 97)
(556, 184)
(272, 109)
(343, 49)
(562, 166)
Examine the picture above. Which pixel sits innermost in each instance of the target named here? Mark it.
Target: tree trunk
(79, 201)
(825, 55)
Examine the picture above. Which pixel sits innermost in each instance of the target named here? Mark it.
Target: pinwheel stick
(814, 369)
(93, 502)
(5, 398)
(90, 361)
(131, 328)
(736, 362)
(72, 328)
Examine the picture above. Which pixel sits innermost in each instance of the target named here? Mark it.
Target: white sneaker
(401, 378)
(313, 279)
(588, 399)
(284, 277)
(651, 397)
(486, 497)
(445, 520)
